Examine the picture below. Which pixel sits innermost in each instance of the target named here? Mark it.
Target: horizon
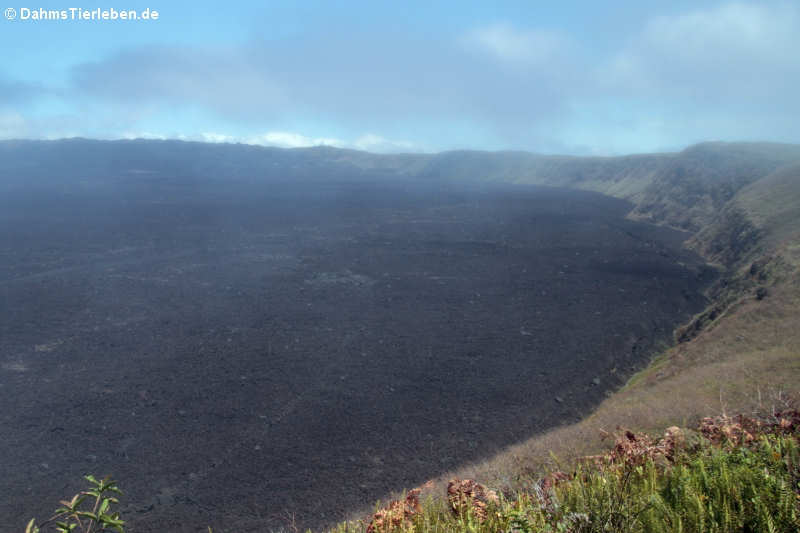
(572, 79)
(409, 153)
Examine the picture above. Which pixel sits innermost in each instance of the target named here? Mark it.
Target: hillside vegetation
(734, 474)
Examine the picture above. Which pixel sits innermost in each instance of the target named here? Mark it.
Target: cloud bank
(725, 72)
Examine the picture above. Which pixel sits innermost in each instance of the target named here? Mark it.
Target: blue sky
(554, 77)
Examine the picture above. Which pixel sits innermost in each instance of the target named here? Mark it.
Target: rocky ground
(233, 352)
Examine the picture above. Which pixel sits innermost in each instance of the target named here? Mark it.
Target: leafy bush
(73, 514)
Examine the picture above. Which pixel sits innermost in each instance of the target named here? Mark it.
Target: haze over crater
(237, 344)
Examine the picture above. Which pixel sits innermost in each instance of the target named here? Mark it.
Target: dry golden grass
(749, 360)
(746, 361)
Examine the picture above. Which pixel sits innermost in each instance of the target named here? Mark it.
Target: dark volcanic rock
(233, 351)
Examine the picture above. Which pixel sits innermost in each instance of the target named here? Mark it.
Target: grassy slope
(744, 358)
(773, 205)
(749, 354)
(750, 357)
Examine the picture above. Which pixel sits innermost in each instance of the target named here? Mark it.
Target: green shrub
(707, 488)
(714, 489)
(74, 515)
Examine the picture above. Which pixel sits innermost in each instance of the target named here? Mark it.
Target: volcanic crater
(237, 352)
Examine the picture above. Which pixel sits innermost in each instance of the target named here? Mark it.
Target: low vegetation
(734, 474)
(89, 511)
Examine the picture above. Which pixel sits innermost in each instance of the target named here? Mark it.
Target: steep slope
(703, 178)
(624, 177)
(750, 361)
(773, 206)
(742, 354)
(683, 190)
(760, 218)
(754, 238)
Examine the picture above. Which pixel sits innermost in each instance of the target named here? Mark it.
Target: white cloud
(287, 139)
(729, 29)
(206, 137)
(130, 135)
(737, 49)
(225, 79)
(211, 137)
(713, 70)
(13, 125)
(498, 78)
(728, 72)
(529, 47)
(369, 142)
(375, 143)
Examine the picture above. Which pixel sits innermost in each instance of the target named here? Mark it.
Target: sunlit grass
(703, 487)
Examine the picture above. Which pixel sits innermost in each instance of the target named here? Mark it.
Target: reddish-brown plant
(467, 495)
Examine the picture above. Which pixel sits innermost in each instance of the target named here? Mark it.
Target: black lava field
(235, 353)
